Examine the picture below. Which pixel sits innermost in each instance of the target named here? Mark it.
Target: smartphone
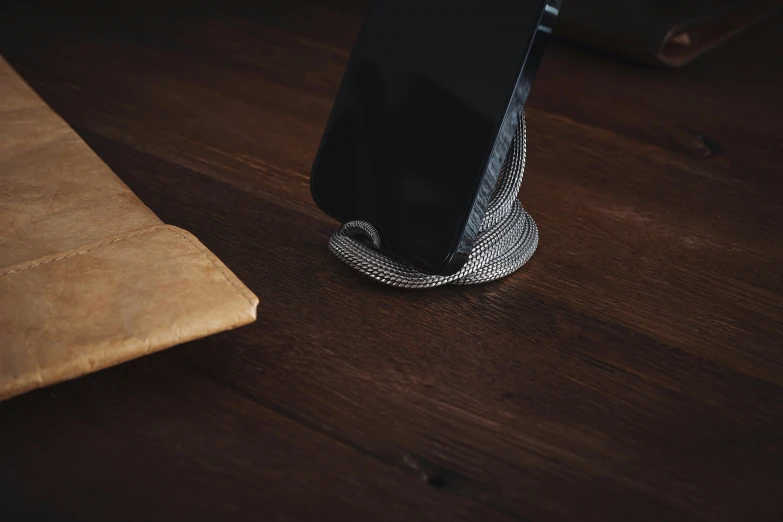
(423, 120)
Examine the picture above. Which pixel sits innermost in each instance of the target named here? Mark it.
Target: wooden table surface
(631, 371)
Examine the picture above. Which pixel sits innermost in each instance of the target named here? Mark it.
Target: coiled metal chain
(507, 238)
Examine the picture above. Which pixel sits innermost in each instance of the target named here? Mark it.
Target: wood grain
(631, 371)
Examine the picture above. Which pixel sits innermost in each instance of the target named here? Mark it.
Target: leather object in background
(89, 276)
(663, 32)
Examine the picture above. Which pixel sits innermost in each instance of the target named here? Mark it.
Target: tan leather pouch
(89, 276)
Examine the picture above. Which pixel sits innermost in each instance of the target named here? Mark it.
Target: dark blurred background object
(667, 32)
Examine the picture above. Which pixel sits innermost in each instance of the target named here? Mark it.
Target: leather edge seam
(219, 265)
(35, 263)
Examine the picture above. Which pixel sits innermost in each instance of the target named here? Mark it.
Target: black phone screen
(417, 115)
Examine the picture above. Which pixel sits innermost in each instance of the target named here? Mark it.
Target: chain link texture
(507, 238)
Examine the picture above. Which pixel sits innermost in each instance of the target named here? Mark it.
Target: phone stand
(507, 238)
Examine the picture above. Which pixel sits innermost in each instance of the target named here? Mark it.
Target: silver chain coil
(507, 238)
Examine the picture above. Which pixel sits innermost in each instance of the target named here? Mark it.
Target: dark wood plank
(160, 440)
(632, 371)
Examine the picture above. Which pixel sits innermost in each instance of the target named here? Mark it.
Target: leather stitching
(82, 251)
(204, 251)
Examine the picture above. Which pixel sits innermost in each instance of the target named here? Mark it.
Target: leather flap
(107, 302)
